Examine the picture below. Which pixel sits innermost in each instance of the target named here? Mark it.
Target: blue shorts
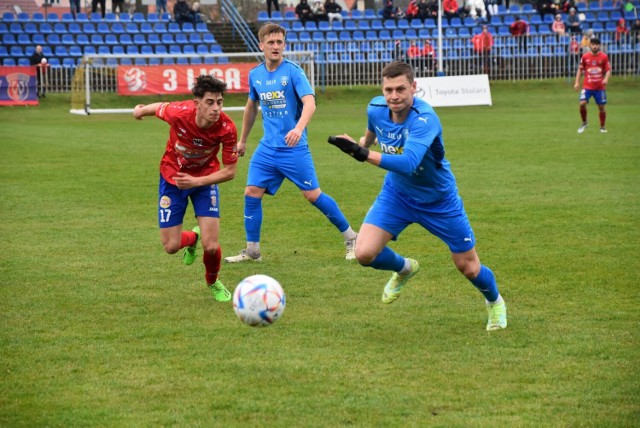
(269, 167)
(172, 203)
(446, 218)
(600, 96)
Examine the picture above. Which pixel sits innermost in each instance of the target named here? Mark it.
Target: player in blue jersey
(286, 97)
(418, 188)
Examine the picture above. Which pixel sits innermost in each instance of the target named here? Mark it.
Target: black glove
(349, 147)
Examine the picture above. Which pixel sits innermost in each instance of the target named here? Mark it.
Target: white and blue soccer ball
(259, 300)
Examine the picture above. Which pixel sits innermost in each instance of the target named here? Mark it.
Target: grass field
(99, 327)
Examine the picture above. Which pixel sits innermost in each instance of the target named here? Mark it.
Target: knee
(364, 256)
(171, 247)
(470, 270)
(210, 248)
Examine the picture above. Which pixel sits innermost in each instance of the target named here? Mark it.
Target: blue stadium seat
(132, 50)
(371, 35)
(292, 37)
(153, 17)
(110, 17)
(174, 27)
(8, 17)
(201, 27)
(182, 39)
(208, 38)
(38, 39)
(9, 39)
(53, 39)
(195, 38)
(54, 62)
(349, 25)
(131, 28)
(23, 17)
(397, 34)
(357, 14)
(290, 15)
(331, 36)
(139, 39)
(97, 39)
(61, 51)
(138, 17)
(82, 17)
(67, 39)
(125, 39)
(95, 17)
(24, 39)
(117, 28)
(358, 35)
(146, 28)
(89, 50)
(411, 34)
(188, 49)
(111, 40)
(175, 49)
(377, 25)
(37, 17)
(24, 62)
(384, 35)
(310, 26)
(167, 39)
(8, 62)
(364, 25)
(88, 28)
(337, 26)
(160, 27)
(75, 51)
(263, 16)
(161, 49)
(124, 17)
(344, 36)
(3, 28)
(370, 14)
(104, 50)
(153, 39)
(188, 27)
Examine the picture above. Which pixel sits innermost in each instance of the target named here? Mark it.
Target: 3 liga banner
(179, 79)
(18, 86)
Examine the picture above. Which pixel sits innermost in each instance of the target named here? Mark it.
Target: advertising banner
(18, 86)
(179, 79)
(455, 90)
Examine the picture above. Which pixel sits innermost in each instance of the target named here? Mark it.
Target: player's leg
(263, 177)
(172, 204)
(384, 221)
(584, 100)
(449, 222)
(298, 167)
(601, 101)
(206, 206)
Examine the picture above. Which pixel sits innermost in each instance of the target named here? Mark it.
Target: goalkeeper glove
(349, 147)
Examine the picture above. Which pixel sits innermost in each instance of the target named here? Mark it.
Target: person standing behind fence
(38, 60)
(520, 30)
(482, 44)
(75, 7)
(597, 70)
(558, 27)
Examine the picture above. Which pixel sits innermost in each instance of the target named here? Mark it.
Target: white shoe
(582, 127)
(603, 130)
(244, 256)
(351, 248)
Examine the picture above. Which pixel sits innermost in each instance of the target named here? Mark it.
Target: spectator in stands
(412, 10)
(477, 9)
(622, 32)
(573, 22)
(75, 7)
(198, 16)
(586, 40)
(482, 44)
(103, 6)
(635, 31)
(558, 27)
(398, 53)
(492, 8)
(117, 5)
(161, 7)
(390, 11)
(450, 9)
(520, 30)
(275, 5)
(566, 6)
(546, 6)
(182, 13)
(334, 11)
(427, 9)
(38, 60)
(428, 56)
(319, 13)
(304, 12)
(414, 55)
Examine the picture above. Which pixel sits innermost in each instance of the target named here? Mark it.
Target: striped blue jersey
(279, 93)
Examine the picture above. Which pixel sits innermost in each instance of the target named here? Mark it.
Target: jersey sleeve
(229, 140)
(300, 82)
(170, 111)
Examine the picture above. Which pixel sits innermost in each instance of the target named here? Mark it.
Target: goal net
(101, 82)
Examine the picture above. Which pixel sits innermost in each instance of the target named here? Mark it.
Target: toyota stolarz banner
(179, 79)
(18, 86)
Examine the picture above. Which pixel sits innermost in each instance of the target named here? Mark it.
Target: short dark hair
(595, 41)
(206, 83)
(398, 68)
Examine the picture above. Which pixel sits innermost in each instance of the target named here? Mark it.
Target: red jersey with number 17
(594, 68)
(192, 149)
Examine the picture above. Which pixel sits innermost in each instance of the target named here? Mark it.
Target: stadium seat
(125, 39)
(358, 35)
(175, 49)
(371, 35)
(75, 51)
(160, 28)
(292, 37)
(117, 28)
(97, 39)
(53, 39)
(174, 27)
(337, 26)
(9, 39)
(377, 25)
(8, 17)
(370, 14)
(61, 51)
(67, 39)
(182, 39)
(331, 36)
(104, 50)
(110, 17)
(3, 28)
(188, 27)
(364, 25)
(195, 38)
(208, 38)
(8, 62)
(88, 28)
(131, 28)
(161, 49)
(397, 34)
(38, 39)
(82, 17)
(139, 39)
(167, 39)
(188, 49)
(89, 50)
(349, 25)
(111, 40)
(24, 39)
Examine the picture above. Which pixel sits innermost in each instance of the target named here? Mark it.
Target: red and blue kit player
(190, 170)
(286, 97)
(597, 70)
(419, 188)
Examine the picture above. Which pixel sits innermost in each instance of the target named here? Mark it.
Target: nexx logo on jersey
(392, 150)
(273, 95)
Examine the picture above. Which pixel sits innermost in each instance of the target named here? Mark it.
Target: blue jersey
(422, 174)
(279, 93)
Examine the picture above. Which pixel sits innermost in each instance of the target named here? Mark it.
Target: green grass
(98, 327)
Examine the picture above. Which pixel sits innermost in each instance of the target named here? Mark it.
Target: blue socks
(388, 260)
(328, 206)
(485, 282)
(252, 218)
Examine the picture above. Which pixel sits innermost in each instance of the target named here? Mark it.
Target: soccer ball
(259, 300)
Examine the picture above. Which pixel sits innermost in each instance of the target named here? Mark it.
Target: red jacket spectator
(621, 29)
(483, 42)
(412, 10)
(519, 27)
(450, 6)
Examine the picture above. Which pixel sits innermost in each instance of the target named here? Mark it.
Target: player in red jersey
(597, 69)
(190, 169)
